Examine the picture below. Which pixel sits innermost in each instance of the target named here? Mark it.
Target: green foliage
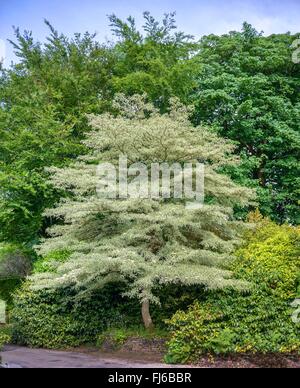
(173, 297)
(260, 321)
(58, 320)
(116, 337)
(49, 262)
(157, 63)
(271, 259)
(4, 339)
(145, 242)
(190, 330)
(15, 265)
(248, 89)
(5, 335)
(242, 84)
(7, 289)
(44, 102)
(245, 87)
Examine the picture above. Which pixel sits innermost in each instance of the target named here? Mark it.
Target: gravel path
(21, 357)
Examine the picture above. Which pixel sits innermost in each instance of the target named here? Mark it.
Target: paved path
(21, 357)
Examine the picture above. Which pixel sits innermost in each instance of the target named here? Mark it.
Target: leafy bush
(116, 337)
(271, 258)
(5, 335)
(56, 320)
(49, 262)
(4, 339)
(256, 322)
(7, 289)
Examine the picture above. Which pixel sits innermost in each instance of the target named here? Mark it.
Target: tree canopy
(243, 85)
(248, 88)
(154, 95)
(145, 242)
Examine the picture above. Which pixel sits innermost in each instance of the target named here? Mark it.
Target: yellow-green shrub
(271, 256)
(260, 321)
(4, 339)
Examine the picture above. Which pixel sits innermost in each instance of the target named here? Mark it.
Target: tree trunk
(146, 315)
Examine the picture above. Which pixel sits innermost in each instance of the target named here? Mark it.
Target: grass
(118, 336)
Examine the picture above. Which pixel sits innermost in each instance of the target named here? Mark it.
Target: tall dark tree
(44, 100)
(248, 88)
(155, 62)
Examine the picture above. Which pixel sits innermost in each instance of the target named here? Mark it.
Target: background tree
(43, 102)
(145, 242)
(45, 97)
(248, 88)
(155, 62)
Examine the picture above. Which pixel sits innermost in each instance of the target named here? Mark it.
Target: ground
(21, 357)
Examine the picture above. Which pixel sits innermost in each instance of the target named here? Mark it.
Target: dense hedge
(7, 289)
(56, 320)
(258, 322)
(216, 322)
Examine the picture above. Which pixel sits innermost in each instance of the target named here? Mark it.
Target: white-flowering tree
(145, 242)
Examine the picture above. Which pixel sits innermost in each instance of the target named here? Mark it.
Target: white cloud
(220, 17)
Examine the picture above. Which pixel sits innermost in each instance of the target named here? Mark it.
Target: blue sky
(197, 17)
